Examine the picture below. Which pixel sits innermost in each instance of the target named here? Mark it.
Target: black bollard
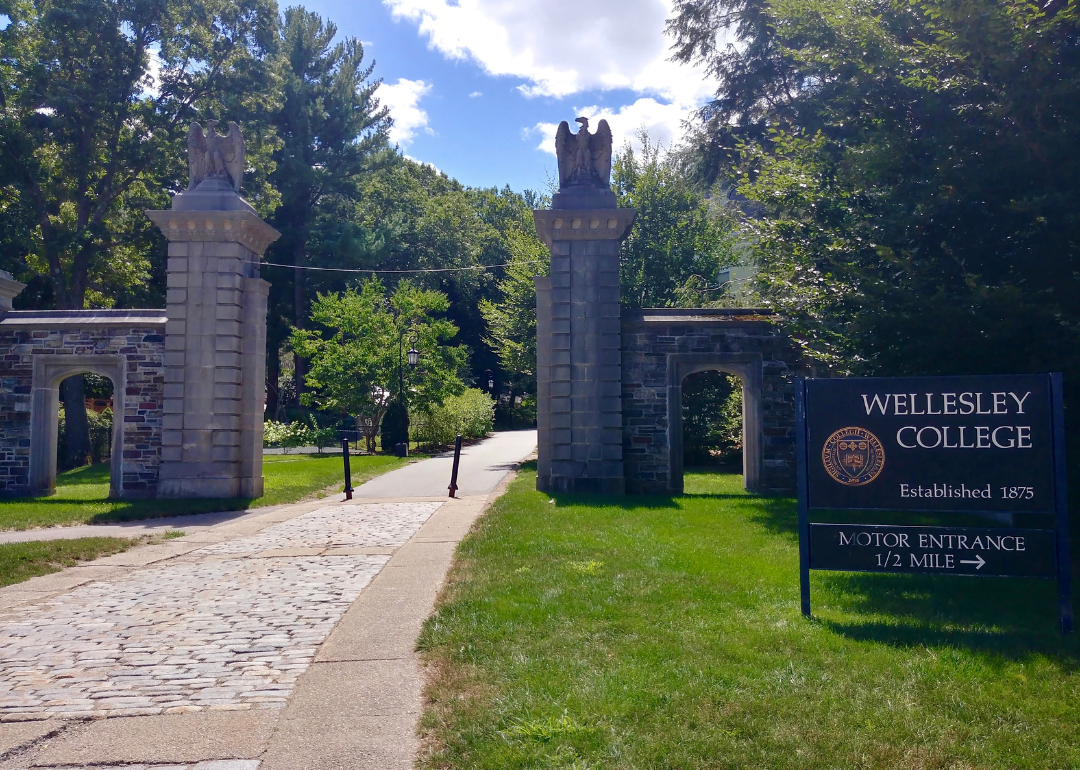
(457, 459)
(348, 470)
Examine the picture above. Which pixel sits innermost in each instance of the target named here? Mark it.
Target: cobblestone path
(222, 628)
(219, 764)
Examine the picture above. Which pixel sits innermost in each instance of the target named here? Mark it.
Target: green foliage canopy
(511, 322)
(90, 134)
(356, 354)
(681, 237)
(332, 131)
(912, 176)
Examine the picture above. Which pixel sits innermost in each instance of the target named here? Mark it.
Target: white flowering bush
(289, 435)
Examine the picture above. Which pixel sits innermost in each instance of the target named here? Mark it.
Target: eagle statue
(584, 158)
(215, 156)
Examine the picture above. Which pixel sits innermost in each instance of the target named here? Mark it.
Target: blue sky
(477, 87)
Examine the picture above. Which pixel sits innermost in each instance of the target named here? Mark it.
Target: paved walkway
(280, 639)
(481, 468)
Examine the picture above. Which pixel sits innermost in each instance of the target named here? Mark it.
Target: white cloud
(403, 99)
(476, 94)
(562, 47)
(663, 123)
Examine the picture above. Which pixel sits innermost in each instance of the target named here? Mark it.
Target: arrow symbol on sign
(979, 561)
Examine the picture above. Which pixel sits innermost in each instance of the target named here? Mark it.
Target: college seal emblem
(853, 456)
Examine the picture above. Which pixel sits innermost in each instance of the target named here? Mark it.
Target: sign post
(992, 446)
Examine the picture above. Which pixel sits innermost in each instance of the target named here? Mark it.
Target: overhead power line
(387, 272)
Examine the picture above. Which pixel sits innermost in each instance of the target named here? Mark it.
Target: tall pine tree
(332, 130)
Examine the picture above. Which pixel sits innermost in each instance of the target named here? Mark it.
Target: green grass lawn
(666, 633)
(22, 561)
(82, 494)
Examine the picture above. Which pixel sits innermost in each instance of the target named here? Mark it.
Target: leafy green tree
(916, 195)
(332, 130)
(712, 419)
(90, 136)
(681, 237)
(511, 321)
(421, 219)
(356, 355)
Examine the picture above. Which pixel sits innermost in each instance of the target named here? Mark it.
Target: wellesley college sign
(990, 445)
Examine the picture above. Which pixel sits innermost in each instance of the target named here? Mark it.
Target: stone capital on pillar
(243, 227)
(583, 224)
(215, 344)
(9, 290)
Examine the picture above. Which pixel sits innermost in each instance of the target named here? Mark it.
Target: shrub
(290, 435)
(471, 414)
(320, 437)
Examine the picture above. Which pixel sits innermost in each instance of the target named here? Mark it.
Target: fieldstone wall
(661, 347)
(128, 342)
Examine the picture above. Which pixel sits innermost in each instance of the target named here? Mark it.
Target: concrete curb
(358, 707)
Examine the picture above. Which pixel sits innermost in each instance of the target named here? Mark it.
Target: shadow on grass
(1009, 617)
(155, 509)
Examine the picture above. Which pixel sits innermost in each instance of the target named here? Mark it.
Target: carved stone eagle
(215, 156)
(584, 158)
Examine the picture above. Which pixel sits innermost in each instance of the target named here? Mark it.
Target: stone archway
(661, 347)
(745, 366)
(49, 372)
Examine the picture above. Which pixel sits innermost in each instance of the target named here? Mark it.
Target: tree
(511, 322)
(332, 131)
(917, 192)
(681, 237)
(421, 219)
(356, 365)
(90, 136)
(712, 418)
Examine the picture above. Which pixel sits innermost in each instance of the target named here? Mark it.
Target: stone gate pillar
(215, 344)
(579, 370)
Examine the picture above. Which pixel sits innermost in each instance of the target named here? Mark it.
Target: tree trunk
(72, 392)
(299, 318)
(273, 377)
(78, 427)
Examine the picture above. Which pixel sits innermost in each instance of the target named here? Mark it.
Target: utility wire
(417, 270)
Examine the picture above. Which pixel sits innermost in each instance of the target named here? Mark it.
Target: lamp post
(413, 357)
(490, 379)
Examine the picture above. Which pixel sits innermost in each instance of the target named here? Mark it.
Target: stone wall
(661, 347)
(132, 339)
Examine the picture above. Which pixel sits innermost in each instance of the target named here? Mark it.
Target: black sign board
(931, 444)
(992, 444)
(935, 550)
